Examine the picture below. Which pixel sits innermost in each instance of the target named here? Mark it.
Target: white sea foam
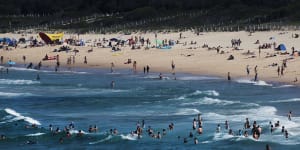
(209, 92)
(102, 140)
(187, 111)
(18, 116)
(211, 101)
(286, 100)
(129, 137)
(197, 92)
(7, 94)
(259, 83)
(18, 82)
(35, 134)
(192, 78)
(285, 86)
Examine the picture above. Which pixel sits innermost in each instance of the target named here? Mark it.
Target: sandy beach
(187, 57)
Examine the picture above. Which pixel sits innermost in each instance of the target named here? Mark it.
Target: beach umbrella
(114, 39)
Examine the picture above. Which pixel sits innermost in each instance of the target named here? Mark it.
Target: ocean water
(85, 97)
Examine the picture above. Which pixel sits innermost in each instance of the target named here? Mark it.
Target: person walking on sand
(85, 60)
(148, 69)
(278, 71)
(112, 65)
(173, 66)
(228, 76)
(248, 70)
(134, 66)
(24, 59)
(282, 69)
(255, 77)
(255, 69)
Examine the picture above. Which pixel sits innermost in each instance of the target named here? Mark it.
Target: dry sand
(197, 60)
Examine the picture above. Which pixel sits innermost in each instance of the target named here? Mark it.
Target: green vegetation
(83, 15)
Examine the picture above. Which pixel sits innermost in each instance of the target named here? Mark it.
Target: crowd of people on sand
(248, 130)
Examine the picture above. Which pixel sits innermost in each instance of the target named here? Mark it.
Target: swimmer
(196, 141)
(199, 117)
(286, 134)
(247, 124)
(112, 84)
(277, 124)
(160, 76)
(79, 133)
(185, 140)
(282, 129)
(226, 125)
(50, 128)
(164, 132)
(200, 130)
(259, 129)
(230, 132)
(218, 130)
(194, 124)
(246, 134)
(115, 131)
(240, 132)
(158, 135)
(272, 128)
(191, 135)
(290, 115)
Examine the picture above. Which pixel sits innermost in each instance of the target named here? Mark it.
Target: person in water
(112, 84)
(160, 76)
(218, 130)
(290, 116)
(228, 76)
(196, 141)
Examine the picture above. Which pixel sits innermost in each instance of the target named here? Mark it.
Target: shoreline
(188, 58)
